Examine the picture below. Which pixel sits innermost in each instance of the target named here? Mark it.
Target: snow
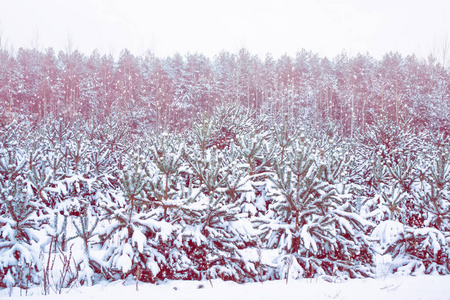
(8, 280)
(437, 238)
(325, 287)
(388, 232)
(307, 238)
(139, 239)
(383, 264)
(124, 262)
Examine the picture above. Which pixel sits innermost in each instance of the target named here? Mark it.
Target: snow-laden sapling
(254, 150)
(86, 230)
(21, 241)
(134, 237)
(409, 251)
(166, 153)
(214, 227)
(403, 172)
(310, 224)
(433, 196)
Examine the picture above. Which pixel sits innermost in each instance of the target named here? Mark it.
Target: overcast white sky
(326, 27)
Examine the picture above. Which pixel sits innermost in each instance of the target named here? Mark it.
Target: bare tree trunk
(352, 116)
(396, 103)
(10, 99)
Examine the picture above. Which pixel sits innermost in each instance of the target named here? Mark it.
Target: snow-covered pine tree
(433, 196)
(224, 125)
(283, 135)
(409, 251)
(254, 150)
(85, 226)
(113, 132)
(416, 203)
(169, 192)
(166, 153)
(314, 228)
(20, 243)
(214, 228)
(133, 233)
(232, 119)
(77, 149)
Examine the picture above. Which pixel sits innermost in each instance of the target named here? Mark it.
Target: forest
(169, 93)
(233, 167)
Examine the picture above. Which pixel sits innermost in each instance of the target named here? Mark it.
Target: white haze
(326, 27)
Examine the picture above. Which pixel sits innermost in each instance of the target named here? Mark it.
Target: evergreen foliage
(21, 241)
(237, 197)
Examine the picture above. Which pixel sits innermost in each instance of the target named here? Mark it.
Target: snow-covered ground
(391, 287)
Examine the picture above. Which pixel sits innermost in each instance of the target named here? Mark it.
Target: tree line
(168, 93)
